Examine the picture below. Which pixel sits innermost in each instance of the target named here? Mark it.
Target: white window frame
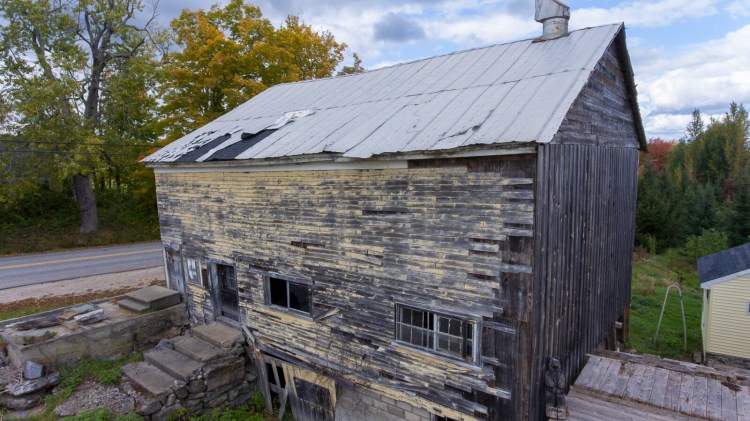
(201, 271)
(435, 331)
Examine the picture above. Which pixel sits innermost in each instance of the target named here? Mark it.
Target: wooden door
(228, 297)
(174, 272)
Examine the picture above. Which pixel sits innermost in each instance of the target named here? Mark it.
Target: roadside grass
(41, 238)
(12, 314)
(37, 305)
(652, 274)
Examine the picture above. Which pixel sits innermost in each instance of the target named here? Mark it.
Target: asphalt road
(31, 269)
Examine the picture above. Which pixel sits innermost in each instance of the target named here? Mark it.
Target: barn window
(747, 307)
(197, 272)
(288, 294)
(442, 418)
(437, 332)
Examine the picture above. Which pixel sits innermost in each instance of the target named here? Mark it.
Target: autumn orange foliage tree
(228, 55)
(658, 154)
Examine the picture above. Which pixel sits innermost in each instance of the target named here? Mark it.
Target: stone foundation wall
(361, 404)
(728, 360)
(224, 383)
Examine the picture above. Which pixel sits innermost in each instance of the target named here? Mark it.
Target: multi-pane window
(438, 332)
(197, 272)
(292, 295)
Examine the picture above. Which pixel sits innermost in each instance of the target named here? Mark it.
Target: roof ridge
(404, 63)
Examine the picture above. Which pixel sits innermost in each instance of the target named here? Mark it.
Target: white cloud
(645, 13)
(672, 126)
(707, 76)
(666, 126)
(738, 9)
(475, 31)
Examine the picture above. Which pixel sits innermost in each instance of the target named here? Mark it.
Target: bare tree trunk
(86, 203)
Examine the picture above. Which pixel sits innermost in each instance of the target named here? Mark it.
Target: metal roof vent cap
(554, 16)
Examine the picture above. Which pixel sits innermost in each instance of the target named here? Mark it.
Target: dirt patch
(41, 297)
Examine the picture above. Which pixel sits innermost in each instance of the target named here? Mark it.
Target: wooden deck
(623, 387)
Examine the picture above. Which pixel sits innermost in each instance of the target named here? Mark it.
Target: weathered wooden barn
(414, 242)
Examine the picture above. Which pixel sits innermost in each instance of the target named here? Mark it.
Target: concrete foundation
(120, 333)
(361, 404)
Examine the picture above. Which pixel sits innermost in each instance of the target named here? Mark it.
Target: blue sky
(685, 54)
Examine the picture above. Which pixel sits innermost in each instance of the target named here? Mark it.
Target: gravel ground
(92, 395)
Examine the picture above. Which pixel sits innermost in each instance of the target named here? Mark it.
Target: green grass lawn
(651, 277)
(41, 238)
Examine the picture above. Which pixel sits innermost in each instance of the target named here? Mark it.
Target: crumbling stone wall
(223, 383)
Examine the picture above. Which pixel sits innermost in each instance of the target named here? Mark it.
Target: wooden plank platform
(585, 406)
(617, 386)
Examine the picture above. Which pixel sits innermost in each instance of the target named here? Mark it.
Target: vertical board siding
(584, 241)
(455, 238)
(728, 307)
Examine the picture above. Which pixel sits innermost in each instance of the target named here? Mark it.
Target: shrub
(710, 241)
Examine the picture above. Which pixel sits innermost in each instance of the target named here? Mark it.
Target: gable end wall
(602, 113)
(585, 222)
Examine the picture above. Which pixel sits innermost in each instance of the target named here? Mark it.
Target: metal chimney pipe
(554, 16)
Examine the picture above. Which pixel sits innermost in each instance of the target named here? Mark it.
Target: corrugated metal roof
(517, 92)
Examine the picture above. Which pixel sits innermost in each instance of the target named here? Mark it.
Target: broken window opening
(437, 332)
(290, 295)
(442, 418)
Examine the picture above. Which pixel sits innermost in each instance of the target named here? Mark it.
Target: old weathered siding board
(531, 241)
(454, 238)
(585, 224)
(603, 112)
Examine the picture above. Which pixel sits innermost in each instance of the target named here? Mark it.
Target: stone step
(219, 334)
(150, 378)
(198, 349)
(172, 362)
(132, 305)
(155, 297)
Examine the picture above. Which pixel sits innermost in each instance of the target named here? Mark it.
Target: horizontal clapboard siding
(728, 307)
(453, 238)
